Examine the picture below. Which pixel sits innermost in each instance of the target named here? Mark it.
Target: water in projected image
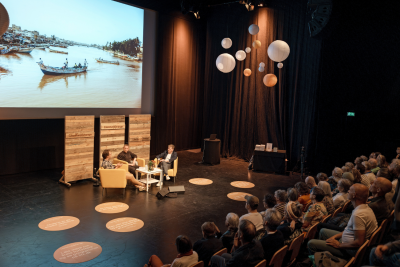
(23, 84)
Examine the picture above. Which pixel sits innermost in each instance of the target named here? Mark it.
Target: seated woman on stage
(106, 164)
(186, 257)
(167, 159)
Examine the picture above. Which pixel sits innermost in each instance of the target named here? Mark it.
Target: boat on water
(4, 51)
(25, 49)
(57, 51)
(107, 61)
(48, 70)
(41, 48)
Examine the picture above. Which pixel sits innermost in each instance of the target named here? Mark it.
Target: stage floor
(27, 199)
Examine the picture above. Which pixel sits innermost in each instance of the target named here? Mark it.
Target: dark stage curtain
(242, 110)
(178, 105)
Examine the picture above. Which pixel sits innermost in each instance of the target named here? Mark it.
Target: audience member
(293, 197)
(364, 179)
(357, 176)
(292, 228)
(186, 257)
(328, 202)
(368, 173)
(336, 175)
(208, 245)
(386, 255)
(253, 215)
(349, 176)
(340, 198)
(395, 169)
(269, 202)
(280, 196)
(316, 211)
(381, 159)
(272, 241)
(232, 222)
(372, 155)
(248, 252)
(350, 165)
(304, 193)
(322, 177)
(374, 165)
(364, 158)
(398, 153)
(361, 225)
(345, 169)
(310, 182)
(377, 202)
(358, 160)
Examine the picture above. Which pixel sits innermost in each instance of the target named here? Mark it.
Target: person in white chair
(166, 160)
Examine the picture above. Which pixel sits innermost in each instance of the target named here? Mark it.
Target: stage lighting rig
(248, 4)
(322, 10)
(191, 6)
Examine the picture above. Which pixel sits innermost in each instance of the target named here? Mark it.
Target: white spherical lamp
(226, 43)
(253, 29)
(256, 44)
(248, 50)
(240, 55)
(261, 69)
(262, 64)
(247, 72)
(270, 80)
(280, 65)
(278, 50)
(225, 62)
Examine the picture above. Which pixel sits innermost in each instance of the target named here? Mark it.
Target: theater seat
(125, 165)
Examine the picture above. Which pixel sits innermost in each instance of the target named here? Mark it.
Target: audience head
(372, 155)
(384, 172)
(357, 175)
(272, 219)
(360, 167)
(302, 188)
(395, 168)
(344, 185)
(322, 176)
(232, 221)
(367, 166)
(382, 161)
(337, 172)
(292, 194)
(358, 193)
(358, 160)
(310, 182)
(326, 187)
(364, 158)
(183, 244)
(398, 150)
(350, 165)
(295, 211)
(126, 148)
(345, 169)
(105, 154)
(247, 231)
(251, 202)
(280, 195)
(208, 229)
(317, 194)
(380, 186)
(171, 148)
(348, 176)
(269, 201)
(377, 154)
(373, 163)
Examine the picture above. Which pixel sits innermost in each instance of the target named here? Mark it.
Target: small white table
(148, 180)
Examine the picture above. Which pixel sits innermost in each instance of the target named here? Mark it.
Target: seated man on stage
(106, 164)
(167, 159)
(129, 157)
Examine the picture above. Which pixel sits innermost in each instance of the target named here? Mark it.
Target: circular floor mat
(239, 196)
(125, 224)
(77, 252)
(112, 207)
(58, 223)
(200, 181)
(242, 184)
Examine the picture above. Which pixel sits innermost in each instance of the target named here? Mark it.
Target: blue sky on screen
(85, 21)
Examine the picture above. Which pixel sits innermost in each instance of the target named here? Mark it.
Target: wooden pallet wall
(79, 146)
(139, 135)
(112, 135)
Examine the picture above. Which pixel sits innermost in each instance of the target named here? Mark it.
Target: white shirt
(255, 218)
(168, 157)
(362, 218)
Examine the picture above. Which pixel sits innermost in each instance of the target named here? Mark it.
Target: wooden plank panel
(79, 176)
(107, 139)
(114, 125)
(112, 135)
(106, 132)
(102, 148)
(79, 161)
(79, 134)
(112, 118)
(84, 167)
(139, 135)
(78, 150)
(79, 118)
(79, 155)
(78, 140)
(79, 145)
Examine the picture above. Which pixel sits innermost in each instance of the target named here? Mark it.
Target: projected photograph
(73, 54)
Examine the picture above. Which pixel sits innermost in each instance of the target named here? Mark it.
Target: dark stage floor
(26, 199)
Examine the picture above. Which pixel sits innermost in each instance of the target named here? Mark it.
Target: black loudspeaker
(162, 193)
(180, 189)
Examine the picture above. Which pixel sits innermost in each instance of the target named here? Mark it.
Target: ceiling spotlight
(197, 14)
(248, 4)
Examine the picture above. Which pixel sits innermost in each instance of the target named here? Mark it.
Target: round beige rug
(239, 196)
(200, 181)
(242, 184)
(125, 224)
(77, 252)
(112, 207)
(59, 223)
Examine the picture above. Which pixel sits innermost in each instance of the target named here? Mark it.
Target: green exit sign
(351, 114)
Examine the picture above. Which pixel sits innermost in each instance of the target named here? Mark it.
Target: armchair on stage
(141, 163)
(171, 172)
(113, 178)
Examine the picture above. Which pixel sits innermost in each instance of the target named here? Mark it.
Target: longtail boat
(57, 51)
(107, 61)
(48, 70)
(25, 50)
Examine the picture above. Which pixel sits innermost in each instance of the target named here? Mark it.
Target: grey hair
(338, 171)
(367, 165)
(273, 217)
(345, 183)
(281, 195)
(232, 220)
(292, 194)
